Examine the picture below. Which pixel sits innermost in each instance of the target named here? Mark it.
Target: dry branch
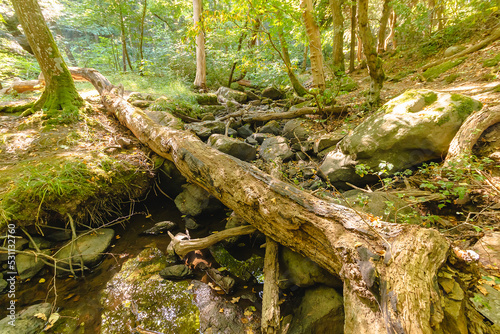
(493, 37)
(182, 247)
(270, 307)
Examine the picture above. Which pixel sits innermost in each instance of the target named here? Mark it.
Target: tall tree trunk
(431, 15)
(60, 94)
(201, 67)
(141, 38)
(359, 53)
(397, 278)
(386, 12)
(373, 61)
(439, 14)
(392, 33)
(314, 37)
(353, 37)
(338, 36)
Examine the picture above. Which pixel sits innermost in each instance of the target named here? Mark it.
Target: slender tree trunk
(353, 37)
(439, 14)
(386, 12)
(373, 61)
(304, 57)
(141, 38)
(338, 36)
(431, 15)
(125, 56)
(392, 34)
(297, 86)
(359, 53)
(60, 94)
(201, 70)
(254, 38)
(316, 55)
(233, 67)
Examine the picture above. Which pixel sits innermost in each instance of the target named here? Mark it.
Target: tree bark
(470, 131)
(392, 33)
(338, 36)
(141, 38)
(353, 37)
(373, 61)
(270, 307)
(389, 270)
(201, 67)
(60, 94)
(386, 12)
(314, 37)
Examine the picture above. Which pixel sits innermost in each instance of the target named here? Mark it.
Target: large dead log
(470, 131)
(389, 271)
(26, 86)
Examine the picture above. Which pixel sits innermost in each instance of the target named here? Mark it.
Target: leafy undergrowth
(77, 168)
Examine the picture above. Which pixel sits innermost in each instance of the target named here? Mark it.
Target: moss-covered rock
(415, 127)
(434, 72)
(241, 269)
(206, 99)
(138, 296)
(492, 61)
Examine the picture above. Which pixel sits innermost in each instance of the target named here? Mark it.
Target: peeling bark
(389, 270)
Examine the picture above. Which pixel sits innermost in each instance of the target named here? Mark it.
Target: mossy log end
(389, 271)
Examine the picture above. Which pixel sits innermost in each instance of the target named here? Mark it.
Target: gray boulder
(224, 94)
(177, 271)
(260, 137)
(272, 127)
(415, 127)
(25, 321)
(233, 147)
(193, 200)
(206, 128)
(327, 140)
(296, 269)
(320, 311)
(488, 248)
(297, 129)
(272, 93)
(245, 131)
(29, 265)
(275, 148)
(87, 248)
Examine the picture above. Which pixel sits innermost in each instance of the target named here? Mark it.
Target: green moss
(465, 105)
(492, 61)
(451, 78)
(434, 72)
(56, 185)
(242, 269)
(401, 75)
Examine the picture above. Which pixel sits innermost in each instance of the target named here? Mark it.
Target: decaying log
(252, 117)
(182, 247)
(389, 271)
(26, 86)
(470, 131)
(270, 308)
(74, 74)
(495, 34)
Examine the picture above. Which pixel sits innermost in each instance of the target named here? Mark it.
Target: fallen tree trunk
(493, 37)
(27, 86)
(470, 131)
(270, 299)
(389, 271)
